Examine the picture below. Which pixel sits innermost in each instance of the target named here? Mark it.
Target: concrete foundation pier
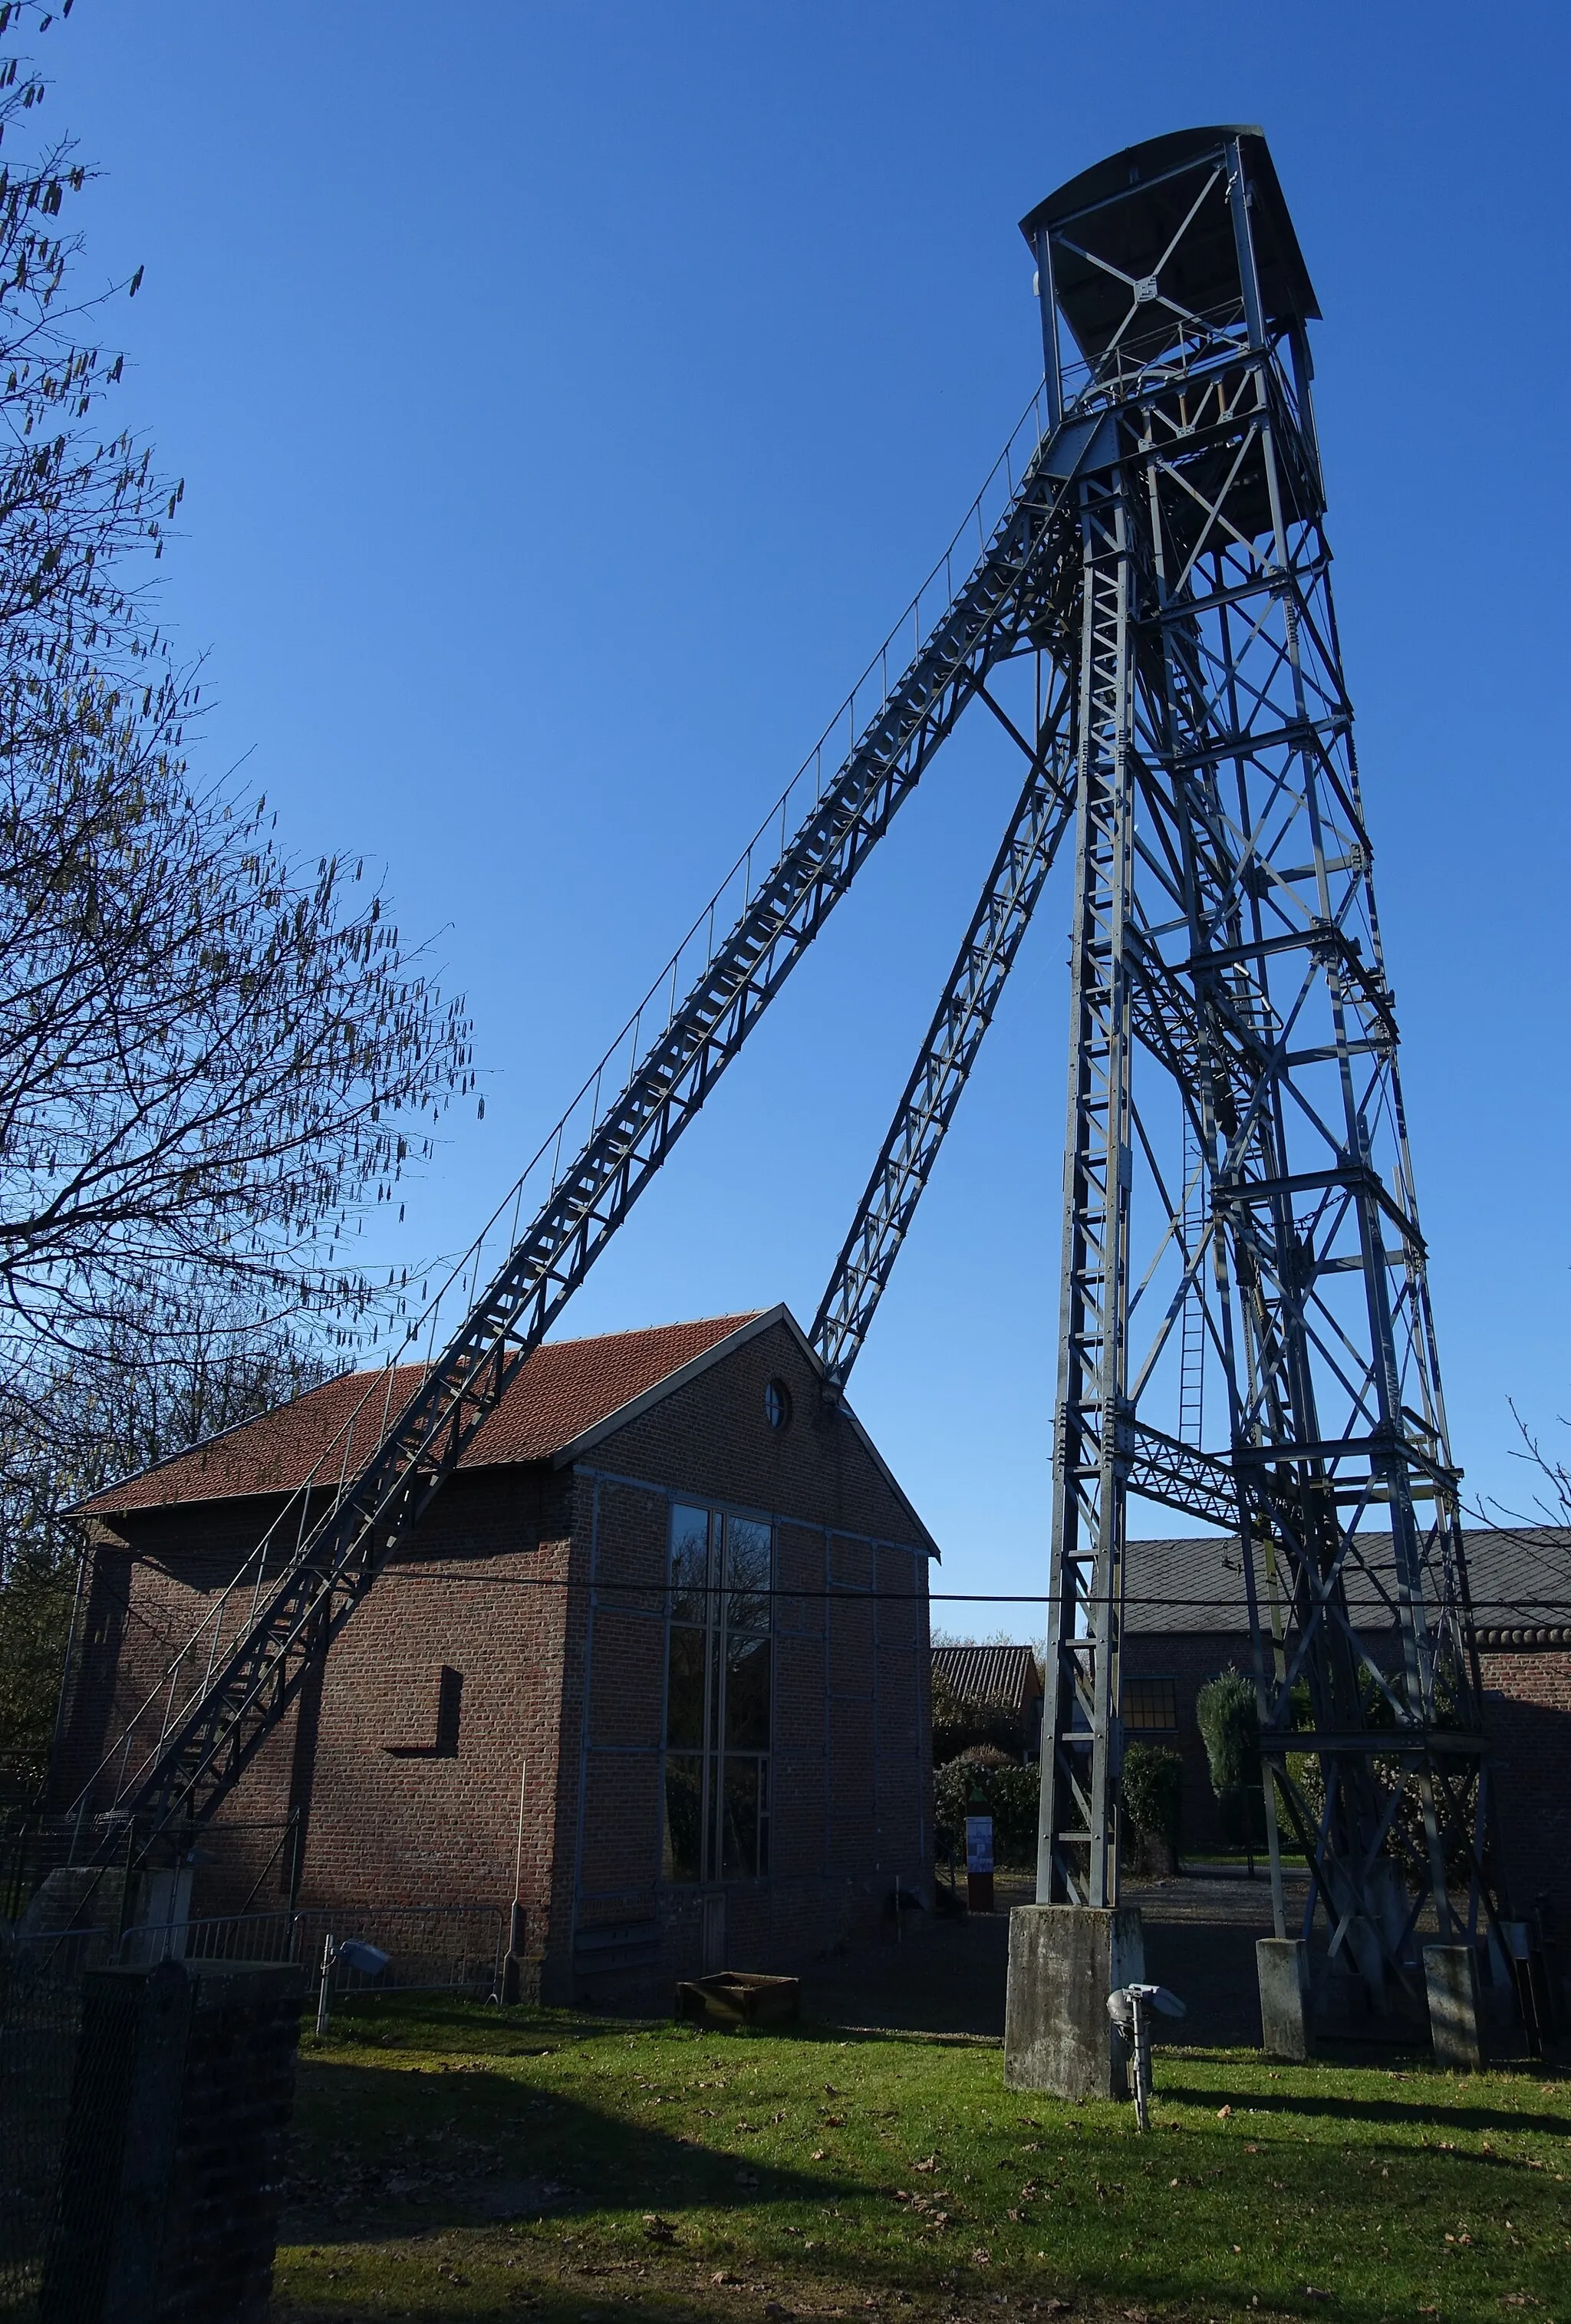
(1064, 1960)
(1451, 1982)
(1282, 1965)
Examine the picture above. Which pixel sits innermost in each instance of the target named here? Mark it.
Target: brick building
(1185, 1620)
(1008, 1676)
(658, 1655)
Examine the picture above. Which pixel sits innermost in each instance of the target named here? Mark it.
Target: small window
(777, 1404)
(449, 1710)
(1150, 1705)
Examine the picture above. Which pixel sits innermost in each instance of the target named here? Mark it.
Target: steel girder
(1226, 936)
(944, 1062)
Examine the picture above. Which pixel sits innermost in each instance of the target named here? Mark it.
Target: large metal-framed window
(718, 1697)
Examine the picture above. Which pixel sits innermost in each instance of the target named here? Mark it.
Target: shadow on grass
(1331, 2106)
(434, 2185)
(382, 2152)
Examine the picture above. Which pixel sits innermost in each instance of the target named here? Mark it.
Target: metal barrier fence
(432, 1948)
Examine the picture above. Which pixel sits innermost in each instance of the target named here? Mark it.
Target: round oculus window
(777, 1404)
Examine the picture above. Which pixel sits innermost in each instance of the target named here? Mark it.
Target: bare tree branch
(212, 1060)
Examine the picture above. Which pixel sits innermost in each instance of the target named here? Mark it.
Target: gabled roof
(1007, 1674)
(568, 1395)
(566, 1391)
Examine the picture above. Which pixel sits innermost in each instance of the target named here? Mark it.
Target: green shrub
(1153, 1795)
(982, 1781)
(961, 1722)
(1229, 1722)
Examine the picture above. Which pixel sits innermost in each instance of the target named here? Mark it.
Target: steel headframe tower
(1238, 1196)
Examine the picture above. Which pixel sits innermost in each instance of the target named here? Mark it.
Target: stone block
(1451, 1982)
(1282, 1965)
(1064, 1960)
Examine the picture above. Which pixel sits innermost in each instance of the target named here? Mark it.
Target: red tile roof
(567, 1387)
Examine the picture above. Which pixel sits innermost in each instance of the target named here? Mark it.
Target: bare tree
(130, 1395)
(210, 1061)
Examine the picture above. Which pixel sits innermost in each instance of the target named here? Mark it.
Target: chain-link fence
(430, 1948)
(41, 2011)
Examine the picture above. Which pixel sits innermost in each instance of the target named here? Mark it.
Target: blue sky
(569, 395)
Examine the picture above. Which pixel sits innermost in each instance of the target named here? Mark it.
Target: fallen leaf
(980, 2258)
(930, 2165)
(1223, 2113)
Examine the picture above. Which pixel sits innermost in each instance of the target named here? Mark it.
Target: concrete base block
(1064, 1960)
(1282, 1965)
(1451, 1981)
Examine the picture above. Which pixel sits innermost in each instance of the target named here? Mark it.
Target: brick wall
(851, 1762)
(1528, 1714)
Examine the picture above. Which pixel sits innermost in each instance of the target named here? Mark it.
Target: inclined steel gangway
(228, 1687)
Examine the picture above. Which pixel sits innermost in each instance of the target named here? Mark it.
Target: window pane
(685, 1689)
(747, 1693)
(747, 1572)
(689, 1564)
(739, 1828)
(684, 1817)
(1150, 1702)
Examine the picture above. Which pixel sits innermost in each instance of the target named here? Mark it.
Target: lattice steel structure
(1236, 1157)
(1146, 612)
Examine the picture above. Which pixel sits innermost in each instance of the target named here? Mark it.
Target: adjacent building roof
(1519, 1577)
(565, 1390)
(1007, 1674)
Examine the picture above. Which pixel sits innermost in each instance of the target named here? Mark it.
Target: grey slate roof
(1520, 1577)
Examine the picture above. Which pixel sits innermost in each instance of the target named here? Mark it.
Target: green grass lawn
(454, 2161)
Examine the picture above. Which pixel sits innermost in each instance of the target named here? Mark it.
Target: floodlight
(356, 1954)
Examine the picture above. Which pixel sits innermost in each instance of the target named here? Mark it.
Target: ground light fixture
(1130, 2008)
(356, 1953)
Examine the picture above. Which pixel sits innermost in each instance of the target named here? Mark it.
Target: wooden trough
(739, 1997)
